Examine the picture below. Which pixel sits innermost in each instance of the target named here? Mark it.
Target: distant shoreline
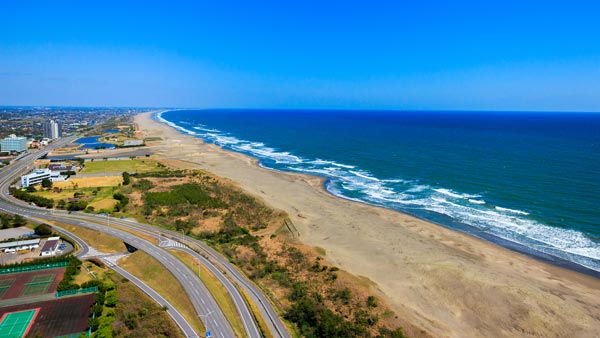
(433, 277)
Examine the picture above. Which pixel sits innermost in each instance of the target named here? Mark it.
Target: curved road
(276, 326)
(212, 259)
(202, 300)
(184, 325)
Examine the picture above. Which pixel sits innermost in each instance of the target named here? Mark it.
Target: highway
(185, 327)
(205, 305)
(216, 263)
(178, 318)
(214, 260)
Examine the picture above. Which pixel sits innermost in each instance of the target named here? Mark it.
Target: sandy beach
(444, 283)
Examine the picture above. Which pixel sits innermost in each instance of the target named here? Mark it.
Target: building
(34, 144)
(13, 143)
(12, 247)
(52, 129)
(50, 247)
(35, 177)
(133, 143)
(60, 167)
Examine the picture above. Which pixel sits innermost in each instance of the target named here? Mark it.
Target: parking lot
(31, 254)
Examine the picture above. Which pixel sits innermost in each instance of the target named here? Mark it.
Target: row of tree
(37, 200)
(14, 221)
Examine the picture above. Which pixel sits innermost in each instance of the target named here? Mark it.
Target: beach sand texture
(444, 283)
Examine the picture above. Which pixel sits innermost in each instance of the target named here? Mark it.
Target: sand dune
(445, 283)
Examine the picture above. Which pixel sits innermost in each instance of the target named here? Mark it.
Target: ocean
(526, 181)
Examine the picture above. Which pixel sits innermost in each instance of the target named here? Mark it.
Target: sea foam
(356, 184)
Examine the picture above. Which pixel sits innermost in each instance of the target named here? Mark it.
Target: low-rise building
(59, 167)
(133, 143)
(35, 177)
(11, 247)
(12, 143)
(50, 247)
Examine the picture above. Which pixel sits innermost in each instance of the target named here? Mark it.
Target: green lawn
(139, 166)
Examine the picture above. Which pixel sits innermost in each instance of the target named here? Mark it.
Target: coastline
(444, 282)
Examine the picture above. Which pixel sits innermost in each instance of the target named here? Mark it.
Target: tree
(19, 221)
(77, 205)
(93, 323)
(126, 178)
(5, 219)
(61, 204)
(46, 183)
(43, 230)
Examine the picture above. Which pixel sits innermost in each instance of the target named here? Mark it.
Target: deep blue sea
(528, 181)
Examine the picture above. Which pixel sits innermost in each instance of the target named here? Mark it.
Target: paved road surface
(184, 325)
(203, 302)
(212, 258)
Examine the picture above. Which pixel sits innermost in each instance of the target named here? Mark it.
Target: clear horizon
(510, 56)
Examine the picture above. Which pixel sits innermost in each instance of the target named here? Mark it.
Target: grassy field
(217, 290)
(156, 276)
(140, 166)
(99, 197)
(139, 316)
(89, 271)
(88, 182)
(97, 240)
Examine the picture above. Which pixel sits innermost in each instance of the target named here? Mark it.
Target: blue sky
(458, 55)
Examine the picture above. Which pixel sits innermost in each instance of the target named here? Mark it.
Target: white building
(133, 143)
(12, 247)
(52, 129)
(35, 177)
(13, 143)
(50, 247)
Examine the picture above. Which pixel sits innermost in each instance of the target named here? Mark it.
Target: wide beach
(444, 283)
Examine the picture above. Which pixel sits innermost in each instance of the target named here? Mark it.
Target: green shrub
(126, 178)
(43, 230)
(77, 205)
(111, 298)
(93, 323)
(27, 197)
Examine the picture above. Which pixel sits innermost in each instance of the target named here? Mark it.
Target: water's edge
(453, 225)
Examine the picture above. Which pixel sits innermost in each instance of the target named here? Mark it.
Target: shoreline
(459, 227)
(443, 281)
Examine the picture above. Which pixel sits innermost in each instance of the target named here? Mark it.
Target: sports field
(23, 284)
(57, 317)
(17, 324)
(38, 284)
(5, 284)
